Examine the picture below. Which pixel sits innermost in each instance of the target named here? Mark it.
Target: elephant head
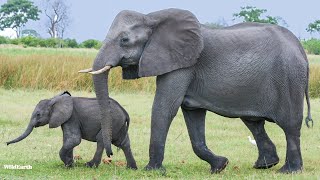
(53, 111)
(144, 45)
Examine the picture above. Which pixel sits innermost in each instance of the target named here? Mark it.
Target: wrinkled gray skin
(251, 71)
(79, 119)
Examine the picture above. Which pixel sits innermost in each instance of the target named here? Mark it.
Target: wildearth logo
(17, 167)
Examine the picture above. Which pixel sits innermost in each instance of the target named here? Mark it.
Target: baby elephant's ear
(61, 110)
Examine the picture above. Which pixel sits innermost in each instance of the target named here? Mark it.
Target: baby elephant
(80, 119)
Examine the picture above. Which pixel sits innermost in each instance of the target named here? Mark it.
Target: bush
(98, 46)
(312, 46)
(50, 42)
(91, 43)
(71, 43)
(30, 41)
(15, 41)
(4, 40)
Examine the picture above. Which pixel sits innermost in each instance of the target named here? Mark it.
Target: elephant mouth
(38, 124)
(125, 63)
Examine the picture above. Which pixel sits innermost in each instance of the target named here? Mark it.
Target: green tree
(314, 27)
(91, 43)
(16, 13)
(50, 42)
(253, 14)
(312, 46)
(29, 32)
(4, 40)
(30, 41)
(72, 43)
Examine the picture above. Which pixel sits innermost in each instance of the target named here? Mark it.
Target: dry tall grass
(314, 80)
(59, 71)
(56, 69)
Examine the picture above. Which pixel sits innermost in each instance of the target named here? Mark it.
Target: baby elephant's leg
(97, 156)
(66, 152)
(125, 146)
(71, 138)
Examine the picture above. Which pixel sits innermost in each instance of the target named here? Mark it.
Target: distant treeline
(31, 41)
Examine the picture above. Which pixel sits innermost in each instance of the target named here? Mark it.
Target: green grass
(15, 50)
(227, 137)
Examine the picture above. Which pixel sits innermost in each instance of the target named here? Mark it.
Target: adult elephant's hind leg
(195, 120)
(267, 150)
(293, 156)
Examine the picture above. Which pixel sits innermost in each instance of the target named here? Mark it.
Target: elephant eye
(124, 40)
(38, 114)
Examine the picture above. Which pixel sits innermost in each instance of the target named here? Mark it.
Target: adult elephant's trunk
(25, 134)
(101, 88)
(107, 57)
(100, 80)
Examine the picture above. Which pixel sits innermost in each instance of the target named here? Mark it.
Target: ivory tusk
(101, 70)
(85, 70)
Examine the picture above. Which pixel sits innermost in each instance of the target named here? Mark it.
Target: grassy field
(41, 73)
(227, 137)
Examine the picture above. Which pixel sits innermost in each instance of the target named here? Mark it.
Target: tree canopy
(253, 14)
(16, 13)
(314, 27)
(29, 32)
(58, 20)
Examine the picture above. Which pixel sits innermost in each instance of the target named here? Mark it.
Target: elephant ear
(176, 42)
(61, 110)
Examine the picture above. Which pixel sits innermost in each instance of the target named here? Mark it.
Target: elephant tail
(308, 118)
(124, 129)
(127, 117)
(127, 120)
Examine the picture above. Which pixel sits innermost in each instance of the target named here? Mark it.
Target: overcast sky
(91, 19)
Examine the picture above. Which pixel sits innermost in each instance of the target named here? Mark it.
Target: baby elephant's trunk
(24, 135)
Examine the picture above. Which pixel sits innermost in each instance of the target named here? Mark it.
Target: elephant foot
(219, 165)
(290, 168)
(92, 164)
(154, 166)
(266, 161)
(69, 165)
(132, 166)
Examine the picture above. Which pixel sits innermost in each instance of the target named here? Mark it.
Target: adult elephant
(251, 71)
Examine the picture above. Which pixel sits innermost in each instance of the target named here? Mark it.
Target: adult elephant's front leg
(171, 88)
